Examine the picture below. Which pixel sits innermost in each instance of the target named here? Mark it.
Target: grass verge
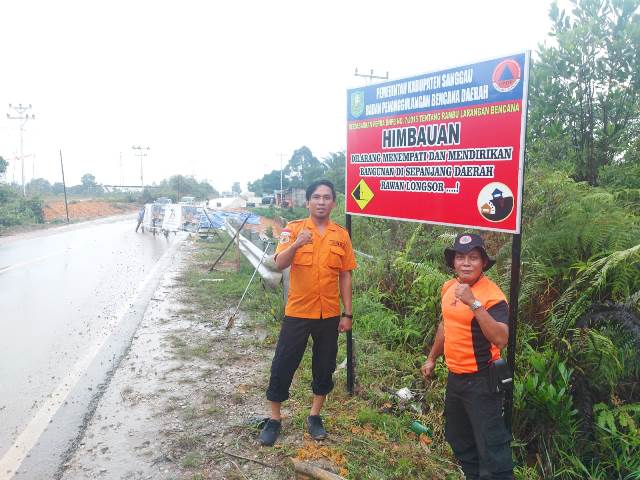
(370, 435)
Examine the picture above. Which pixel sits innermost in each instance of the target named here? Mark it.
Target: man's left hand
(344, 325)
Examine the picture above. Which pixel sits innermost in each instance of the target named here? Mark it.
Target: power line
(141, 153)
(23, 114)
(371, 76)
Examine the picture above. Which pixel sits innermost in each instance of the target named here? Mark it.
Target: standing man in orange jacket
(321, 258)
(474, 328)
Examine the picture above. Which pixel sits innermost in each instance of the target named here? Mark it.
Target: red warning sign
(444, 147)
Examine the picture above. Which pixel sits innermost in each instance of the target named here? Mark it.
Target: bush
(16, 210)
(580, 249)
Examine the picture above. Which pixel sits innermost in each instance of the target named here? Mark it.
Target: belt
(480, 373)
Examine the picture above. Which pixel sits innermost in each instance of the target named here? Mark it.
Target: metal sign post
(514, 291)
(351, 376)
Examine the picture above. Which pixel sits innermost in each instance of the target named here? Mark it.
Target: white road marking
(20, 449)
(31, 262)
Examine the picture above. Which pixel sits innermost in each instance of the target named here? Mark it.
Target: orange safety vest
(466, 349)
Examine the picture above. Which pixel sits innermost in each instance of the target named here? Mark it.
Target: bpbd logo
(357, 103)
(506, 76)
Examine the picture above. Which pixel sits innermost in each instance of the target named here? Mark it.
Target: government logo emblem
(285, 236)
(465, 239)
(506, 76)
(357, 103)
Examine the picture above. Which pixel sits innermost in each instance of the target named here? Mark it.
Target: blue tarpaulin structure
(218, 217)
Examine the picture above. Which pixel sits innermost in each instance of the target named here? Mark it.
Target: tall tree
(38, 186)
(179, 186)
(88, 181)
(303, 168)
(335, 166)
(235, 188)
(3, 165)
(57, 188)
(256, 187)
(585, 99)
(268, 183)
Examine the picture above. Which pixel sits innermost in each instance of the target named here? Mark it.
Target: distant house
(252, 201)
(223, 203)
(268, 200)
(290, 197)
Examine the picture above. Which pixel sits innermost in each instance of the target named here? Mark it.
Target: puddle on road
(181, 397)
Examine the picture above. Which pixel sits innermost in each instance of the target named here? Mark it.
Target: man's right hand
(427, 368)
(304, 236)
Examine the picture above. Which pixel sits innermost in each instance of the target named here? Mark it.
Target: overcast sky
(219, 89)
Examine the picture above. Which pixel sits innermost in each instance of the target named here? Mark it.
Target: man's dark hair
(314, 186)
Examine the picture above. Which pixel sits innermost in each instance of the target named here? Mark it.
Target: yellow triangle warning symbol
(362, 194)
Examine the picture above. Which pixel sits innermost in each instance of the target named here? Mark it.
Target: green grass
(370, 429)
(221, 294)
(188, 442)
(389, 450)
(192, 460)
(287, 213)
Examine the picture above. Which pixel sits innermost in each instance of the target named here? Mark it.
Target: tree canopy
(584, 107)
(88, 180)
(179, 186)
(302, 169)
(38, 186)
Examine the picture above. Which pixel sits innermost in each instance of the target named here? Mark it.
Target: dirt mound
(265, 223)
(84, 209)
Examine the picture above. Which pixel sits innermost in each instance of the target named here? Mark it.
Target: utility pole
(281, 188)
(141, 153)
(371, 76)
(64, 185)
(23, 114)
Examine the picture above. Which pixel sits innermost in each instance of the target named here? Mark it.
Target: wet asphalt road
(63, 293)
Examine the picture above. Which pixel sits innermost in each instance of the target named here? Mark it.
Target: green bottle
(419, 428)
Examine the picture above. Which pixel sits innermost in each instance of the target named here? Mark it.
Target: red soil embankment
(85, 209)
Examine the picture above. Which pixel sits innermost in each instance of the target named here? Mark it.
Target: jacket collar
(308, 223)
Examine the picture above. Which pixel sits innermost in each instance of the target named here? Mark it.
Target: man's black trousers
(475, 427)
(292, 343)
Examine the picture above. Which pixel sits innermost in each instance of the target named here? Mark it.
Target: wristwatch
(475, 305)
(348, 315)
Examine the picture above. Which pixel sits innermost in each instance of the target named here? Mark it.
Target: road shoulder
(178, 405)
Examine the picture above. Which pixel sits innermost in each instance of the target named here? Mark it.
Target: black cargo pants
(292, 342)
(475, 428)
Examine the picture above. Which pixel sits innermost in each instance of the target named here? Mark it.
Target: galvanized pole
(351, 376)
(514, 289)
(24, 187)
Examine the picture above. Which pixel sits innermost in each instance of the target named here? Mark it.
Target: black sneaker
(315, 427)
(269, 432)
